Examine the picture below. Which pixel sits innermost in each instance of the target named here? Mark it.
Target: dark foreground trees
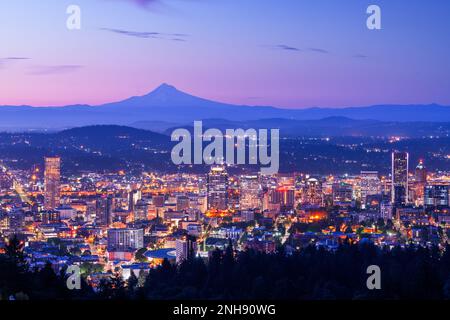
(410, 273)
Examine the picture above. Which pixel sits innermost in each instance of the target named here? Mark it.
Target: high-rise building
(421, 173)
(437, 195)
(52, 177)
(342, 194)
(312, 192)
(141, 210)
(104, 210)
(127, 239)
(420, 181)
(133, 198)
(249, 191)
(370, 185)
(284, 197)
(399, 191)
(185, 249)
(217, 185)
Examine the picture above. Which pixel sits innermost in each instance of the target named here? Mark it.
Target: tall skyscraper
(399, 191)
(420, 181)
(141, 210)
(217, 185)
(52, 177)
(133, 197)
(103, 210)
(312, 192)
(370, 185)
(249, 191)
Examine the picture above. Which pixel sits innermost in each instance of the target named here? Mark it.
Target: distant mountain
(167, 104)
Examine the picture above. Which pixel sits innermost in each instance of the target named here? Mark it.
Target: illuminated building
(399, 191)
(436, 195)
(282, 196)
(104, 209)
(52, 177)
(370, 185)
(342, 194)
(127, 239)
(420, 177)
(312, 192)
(133, 197)
(185, 249)
(141, 211)
(50, 216)
(315, 215)
(217, 185)
(249, 190)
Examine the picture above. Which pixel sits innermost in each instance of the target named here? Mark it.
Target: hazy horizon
(237, 105)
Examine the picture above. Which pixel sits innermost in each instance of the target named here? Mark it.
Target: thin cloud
(360, 56)
(148, 34)
(286, 47)
(8, 60)
(58, 69)
(283, 47)
(16, 58)
(318, 50)
(137, 34)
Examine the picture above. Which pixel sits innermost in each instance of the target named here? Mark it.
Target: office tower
(133, 197)
(185, 249)
(421, 173)
(370, 185)
(342, 194)
(249, 191)
(103, 211)
(399, 191)
(128, 239)
(312, 192)
(283, 197)
(141, 210)
(217, 186)
(420, 181)
(52, 177)
(436, 195)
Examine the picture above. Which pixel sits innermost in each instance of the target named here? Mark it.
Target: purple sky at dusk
(286, 53)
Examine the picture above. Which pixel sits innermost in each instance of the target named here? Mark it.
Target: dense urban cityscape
(121, 225)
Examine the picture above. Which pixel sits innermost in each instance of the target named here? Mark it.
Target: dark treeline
(408, 273)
